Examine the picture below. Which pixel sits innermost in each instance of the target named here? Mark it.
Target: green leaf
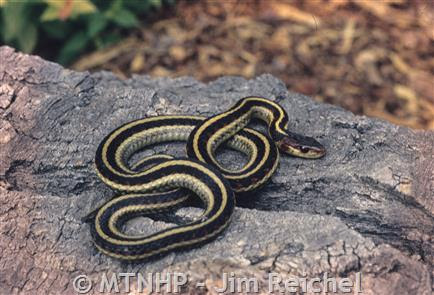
(125, 18)
(14, 20)
(83, 7)
(142, 6)
(58, 29)
(96, 24)
(27, 39)
(50, 13)
(55, 3)
(19, 27)
(155, 3)
(116, 6)
(62, 9)
(110, 39)
(72, 48)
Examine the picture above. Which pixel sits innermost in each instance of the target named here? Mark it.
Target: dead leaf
(103, 56)
(138, 63)
(383, 11)
(347, 37)
(423, 83)
(178, 53)
(160, 71)
(407, 94)
(400, 64)
(286, 11)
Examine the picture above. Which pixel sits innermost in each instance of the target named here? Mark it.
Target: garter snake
(161, 182)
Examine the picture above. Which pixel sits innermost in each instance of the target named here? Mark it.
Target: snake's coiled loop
(166, 182)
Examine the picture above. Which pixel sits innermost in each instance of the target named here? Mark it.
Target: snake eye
(304, 149)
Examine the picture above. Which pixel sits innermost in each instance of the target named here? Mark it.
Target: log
(363, 213)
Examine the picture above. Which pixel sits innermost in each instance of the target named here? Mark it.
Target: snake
(160, 183)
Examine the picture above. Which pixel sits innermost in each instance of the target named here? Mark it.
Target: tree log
(364, 211)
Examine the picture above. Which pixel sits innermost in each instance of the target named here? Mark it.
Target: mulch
(371, 57)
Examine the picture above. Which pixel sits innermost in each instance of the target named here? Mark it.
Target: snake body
(166, 183)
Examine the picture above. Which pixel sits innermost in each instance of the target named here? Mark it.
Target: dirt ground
(370, 57)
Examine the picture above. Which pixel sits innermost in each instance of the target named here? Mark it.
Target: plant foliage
(72, 25)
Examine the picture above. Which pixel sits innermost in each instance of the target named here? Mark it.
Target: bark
(365, 208)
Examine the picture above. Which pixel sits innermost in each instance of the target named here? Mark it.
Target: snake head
(301, 146)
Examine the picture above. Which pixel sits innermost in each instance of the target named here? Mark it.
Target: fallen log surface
(365, 211)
